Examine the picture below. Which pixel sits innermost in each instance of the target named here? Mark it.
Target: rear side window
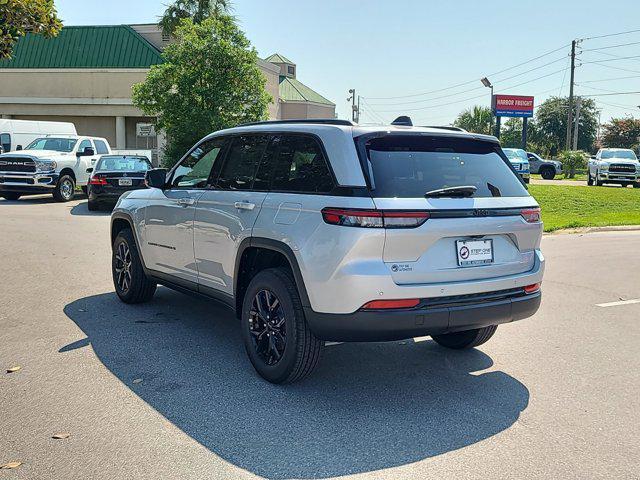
(299, 165)
(409, 166)
(5, 141)
(239, 169)
(101, 147)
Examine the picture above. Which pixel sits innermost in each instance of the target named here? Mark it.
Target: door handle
(186, 201)
(244, 205)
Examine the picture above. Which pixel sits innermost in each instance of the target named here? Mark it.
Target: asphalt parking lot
(164, 390)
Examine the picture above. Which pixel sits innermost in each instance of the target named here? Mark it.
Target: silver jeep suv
(323, 230)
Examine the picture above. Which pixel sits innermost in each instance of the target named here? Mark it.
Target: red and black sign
(512, 106)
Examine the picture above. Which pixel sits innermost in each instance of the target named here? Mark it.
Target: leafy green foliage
(569, 207)
(196, 10)
(550, 131)
(19, 17)
(621, 133)
(210, 80)
(573, 160)
(476, 119)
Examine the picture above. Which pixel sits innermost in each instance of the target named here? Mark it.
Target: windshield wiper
(461, 191)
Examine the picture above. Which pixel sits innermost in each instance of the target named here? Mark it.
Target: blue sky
(406, 48)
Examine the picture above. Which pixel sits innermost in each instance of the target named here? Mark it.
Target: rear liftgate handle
(244, 205)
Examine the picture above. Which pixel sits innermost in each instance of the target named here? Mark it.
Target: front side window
(300, 165)
(84, 144)
(194, 170)
(101, 147)
(5, 141)
(410, 166)
(239, 169)
(112, 163)
(52, 143)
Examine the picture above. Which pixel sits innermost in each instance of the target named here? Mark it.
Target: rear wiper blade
(461, 191)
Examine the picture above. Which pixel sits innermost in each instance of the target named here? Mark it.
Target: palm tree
(476, 119)
(197, 10)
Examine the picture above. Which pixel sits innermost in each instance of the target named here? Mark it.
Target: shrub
(573, 160)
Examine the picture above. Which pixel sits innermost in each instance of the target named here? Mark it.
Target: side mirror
(19, 147)
(87, 152)
(593, 157)
(89, 170)
(156, 178)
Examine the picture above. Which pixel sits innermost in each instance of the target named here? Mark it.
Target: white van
(17, 134)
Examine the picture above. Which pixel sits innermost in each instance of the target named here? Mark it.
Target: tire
(589, 179)
(85, 190)
(597, 182)
(93, 206)
(11, 196)
(636, 185)
(466, 339)
(139, 287)
(290, 351)
(547, 173)
(65, 189)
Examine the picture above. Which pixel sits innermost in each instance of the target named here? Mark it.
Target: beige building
(85, 74)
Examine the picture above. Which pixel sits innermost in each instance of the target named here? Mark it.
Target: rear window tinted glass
(410, 166)
(300, 165)
(123, 164)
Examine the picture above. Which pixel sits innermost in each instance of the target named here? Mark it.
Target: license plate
(474, 252)
(125, 182)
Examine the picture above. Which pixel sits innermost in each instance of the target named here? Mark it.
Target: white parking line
(421, 339)
(621, 302)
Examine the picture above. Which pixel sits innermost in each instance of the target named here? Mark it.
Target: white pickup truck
(50, 164)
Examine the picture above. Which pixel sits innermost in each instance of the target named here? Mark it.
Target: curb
(612, 228)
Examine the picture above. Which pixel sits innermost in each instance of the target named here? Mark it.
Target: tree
(551, 124)
(19, 17)
(210, 80)
(196, 10)
(573, 160)
(476, 119)
(621, 133)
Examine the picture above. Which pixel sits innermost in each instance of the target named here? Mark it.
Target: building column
(121, 133)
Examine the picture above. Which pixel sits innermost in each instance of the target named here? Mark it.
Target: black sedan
(112, 176)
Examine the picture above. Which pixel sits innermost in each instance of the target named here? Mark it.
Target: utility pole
(355, 107)
(576, 122)
(570, 116)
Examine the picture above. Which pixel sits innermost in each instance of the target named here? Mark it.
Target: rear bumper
(432, 317)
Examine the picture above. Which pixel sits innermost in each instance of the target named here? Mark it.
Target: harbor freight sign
(512, 106)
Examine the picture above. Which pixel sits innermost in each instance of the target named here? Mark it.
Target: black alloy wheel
(268, 327)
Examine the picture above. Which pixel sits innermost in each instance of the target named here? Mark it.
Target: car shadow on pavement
(369, 406)
(83, 209)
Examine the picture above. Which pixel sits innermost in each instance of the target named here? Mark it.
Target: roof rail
(324, 121)
(446, 127)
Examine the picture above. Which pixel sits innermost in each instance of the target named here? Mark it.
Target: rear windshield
(626, 154)
(410, 166)
(123, 164)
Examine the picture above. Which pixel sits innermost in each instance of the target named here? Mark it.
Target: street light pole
(485, 81)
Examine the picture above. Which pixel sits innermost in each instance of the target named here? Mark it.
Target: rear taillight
(97, 181)
(389, 304)
(373, 218)
(532, 288)
(531, 215)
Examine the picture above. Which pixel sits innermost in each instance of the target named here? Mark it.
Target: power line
(609, 79)
(612, 59)
(612, 34)
(610, 46)
(471, 89)
(615, 68)
(470, 81)
(615, 93)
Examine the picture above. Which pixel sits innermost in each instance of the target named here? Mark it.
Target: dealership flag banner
(512, 106)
